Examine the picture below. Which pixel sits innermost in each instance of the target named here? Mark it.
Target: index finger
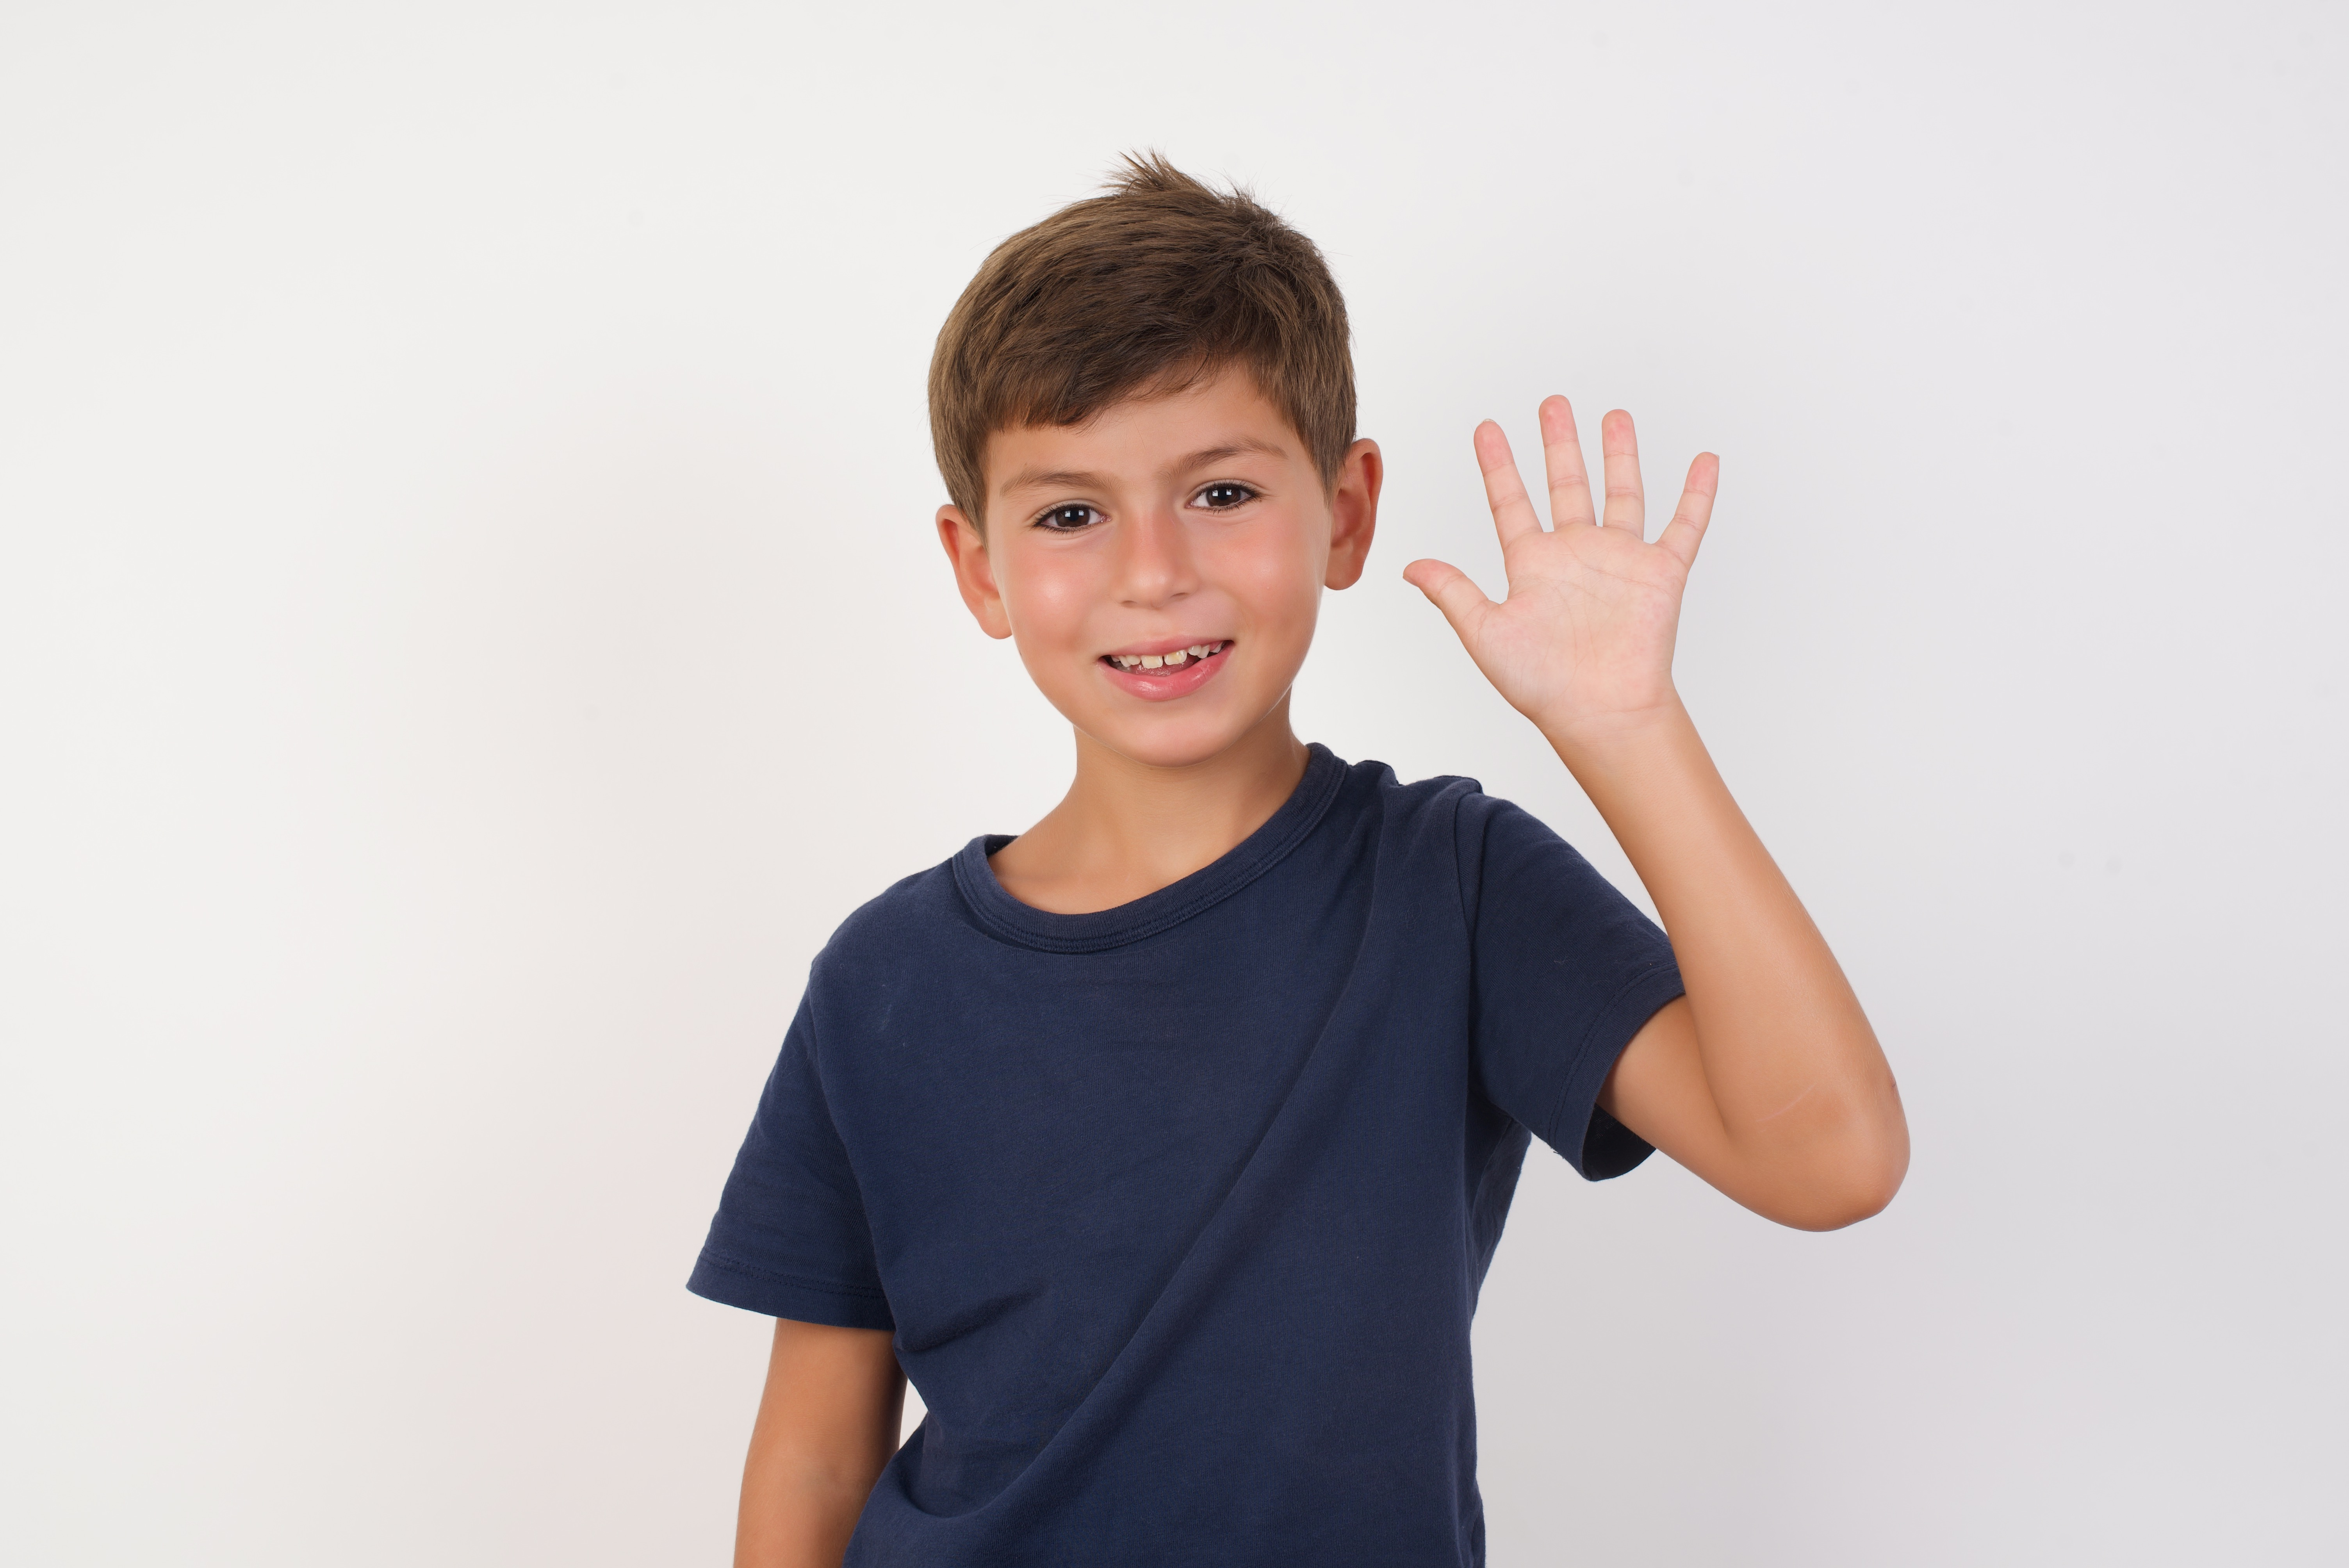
(1513, 510)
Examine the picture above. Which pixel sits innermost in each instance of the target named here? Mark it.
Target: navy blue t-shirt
(1178, 1210)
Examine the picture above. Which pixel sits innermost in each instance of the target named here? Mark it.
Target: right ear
(974, 572)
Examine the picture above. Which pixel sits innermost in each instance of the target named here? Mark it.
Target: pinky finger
(1686, 530)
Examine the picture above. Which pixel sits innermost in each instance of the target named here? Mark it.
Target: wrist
(1649, 775)
(1606, 740)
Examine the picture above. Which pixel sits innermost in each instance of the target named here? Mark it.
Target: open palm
(1585, 636)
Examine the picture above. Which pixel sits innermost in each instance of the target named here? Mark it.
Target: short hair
(1148, 288)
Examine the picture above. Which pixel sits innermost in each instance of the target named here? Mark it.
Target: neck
(1127, 829)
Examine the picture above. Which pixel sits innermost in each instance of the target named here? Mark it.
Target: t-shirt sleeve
(791, 1238)
(1567, 971)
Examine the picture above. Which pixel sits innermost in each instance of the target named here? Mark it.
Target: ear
(974, 572)
(1354, 513)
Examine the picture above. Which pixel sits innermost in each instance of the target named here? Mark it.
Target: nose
(1155, 568)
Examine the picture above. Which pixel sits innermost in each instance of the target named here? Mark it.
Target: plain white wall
(468, 629)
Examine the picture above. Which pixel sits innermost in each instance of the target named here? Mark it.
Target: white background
(470, 627)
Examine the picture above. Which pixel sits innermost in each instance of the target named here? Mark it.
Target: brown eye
(1068, 519)
(1223, 497)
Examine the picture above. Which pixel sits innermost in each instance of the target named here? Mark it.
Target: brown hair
(1147, 288)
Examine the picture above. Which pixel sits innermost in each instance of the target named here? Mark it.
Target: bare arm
(827, 1424)
(1766, 1079)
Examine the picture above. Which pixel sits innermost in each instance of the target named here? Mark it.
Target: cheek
(1048, 594)
(1277, 574)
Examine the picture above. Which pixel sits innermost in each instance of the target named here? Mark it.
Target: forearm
(1766, 1079)
(1809, 1125)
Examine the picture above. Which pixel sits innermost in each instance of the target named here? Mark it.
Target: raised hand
(1583, 643)
(1765, 1078)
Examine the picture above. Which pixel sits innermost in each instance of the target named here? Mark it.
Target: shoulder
(1448, 825)
(1373, 786)
(1449, 805)
(1423, 834)
(894, 929)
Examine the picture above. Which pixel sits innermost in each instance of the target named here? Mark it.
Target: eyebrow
(1085, 479)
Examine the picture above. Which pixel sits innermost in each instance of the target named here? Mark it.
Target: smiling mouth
(1174, 659)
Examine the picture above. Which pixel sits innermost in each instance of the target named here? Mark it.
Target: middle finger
(1626, 507)
(1569, 482)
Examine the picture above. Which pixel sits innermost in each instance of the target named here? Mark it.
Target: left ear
(1353, 513)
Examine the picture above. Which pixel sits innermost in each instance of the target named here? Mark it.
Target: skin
(1196, 518)
(827, 1423)
(1206, 522)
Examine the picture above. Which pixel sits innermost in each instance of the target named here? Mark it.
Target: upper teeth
(1163, 660)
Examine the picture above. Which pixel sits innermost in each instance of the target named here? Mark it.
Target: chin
(1170, 742)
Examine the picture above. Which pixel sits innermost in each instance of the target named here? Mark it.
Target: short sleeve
(1567, 971)
(791, 1238)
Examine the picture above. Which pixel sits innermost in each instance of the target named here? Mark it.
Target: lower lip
(1166, 685)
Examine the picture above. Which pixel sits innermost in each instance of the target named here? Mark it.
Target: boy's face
(1161, 565)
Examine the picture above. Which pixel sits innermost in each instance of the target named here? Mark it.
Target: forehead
(1147, 437)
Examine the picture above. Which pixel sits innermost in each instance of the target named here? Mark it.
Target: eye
(1068, 518)
(1223, 495)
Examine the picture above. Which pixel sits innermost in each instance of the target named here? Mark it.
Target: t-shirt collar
(1007, 917)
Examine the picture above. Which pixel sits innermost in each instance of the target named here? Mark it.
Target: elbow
(1847, 1204)
(1839, 1159)
(1858, 1185)
(1851, 1174)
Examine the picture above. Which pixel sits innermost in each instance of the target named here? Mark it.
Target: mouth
(1169, 658)
(1163, 674)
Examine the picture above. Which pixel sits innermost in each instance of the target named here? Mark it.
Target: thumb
(1451, 590)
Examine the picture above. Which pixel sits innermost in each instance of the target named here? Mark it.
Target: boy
(1166, 1145)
